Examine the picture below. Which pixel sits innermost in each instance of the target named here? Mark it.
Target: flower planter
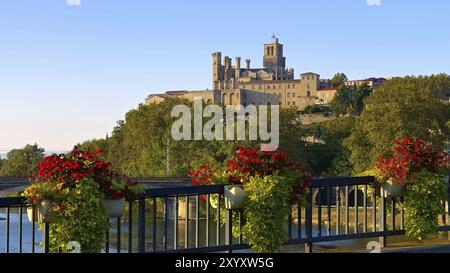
(392, 189)
(41, 213)
(235, 197)
(114, 208)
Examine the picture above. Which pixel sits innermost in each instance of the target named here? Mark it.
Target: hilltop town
(273, 84)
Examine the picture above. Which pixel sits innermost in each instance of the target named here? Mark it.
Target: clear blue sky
(68, 73)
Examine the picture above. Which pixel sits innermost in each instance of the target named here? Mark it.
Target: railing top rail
(218, 189)
(166, 192)
(11, 201)
(342, 181)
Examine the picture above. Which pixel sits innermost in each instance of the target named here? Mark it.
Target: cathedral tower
(273, 57)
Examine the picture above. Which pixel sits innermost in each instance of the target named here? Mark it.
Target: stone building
(272, 84)
(374, 83)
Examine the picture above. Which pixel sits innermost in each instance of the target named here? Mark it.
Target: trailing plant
(423, 203)
(267, 212)
(82, 220)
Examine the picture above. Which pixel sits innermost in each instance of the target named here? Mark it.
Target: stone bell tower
(273, 57)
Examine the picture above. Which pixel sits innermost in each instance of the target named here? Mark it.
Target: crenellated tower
(217, 70)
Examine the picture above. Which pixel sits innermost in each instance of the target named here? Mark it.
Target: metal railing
(184, 219)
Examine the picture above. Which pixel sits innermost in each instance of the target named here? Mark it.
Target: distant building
(375, 83)
(274, 83)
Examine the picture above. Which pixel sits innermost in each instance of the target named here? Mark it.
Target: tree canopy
(22, 162)
(350, 100)
(331, 157)
(339, 80)
(137, 145)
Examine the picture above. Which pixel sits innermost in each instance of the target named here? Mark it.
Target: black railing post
(308, 222)
(46, 237)
(229, 228)
(141, 225)
(383, 228)
(447, 209)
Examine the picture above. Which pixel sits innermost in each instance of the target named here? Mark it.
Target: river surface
(160, 231)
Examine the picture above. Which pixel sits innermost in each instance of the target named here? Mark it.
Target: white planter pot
(393, 190)
(235, 197)
(114, 208)
(40, 213)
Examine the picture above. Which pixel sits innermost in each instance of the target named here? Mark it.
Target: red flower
(410, 157)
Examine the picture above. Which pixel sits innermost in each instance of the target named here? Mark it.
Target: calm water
(160, 228)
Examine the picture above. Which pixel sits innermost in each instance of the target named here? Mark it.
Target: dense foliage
(331, 157)
(338, 80)
(350, 100)
(82, 219)
(315, 109)
(137, 145)
(423, 203)
(21, 162)
(267, 212)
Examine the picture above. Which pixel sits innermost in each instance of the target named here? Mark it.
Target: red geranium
(69, 169)
(252, 162)
(410, 157)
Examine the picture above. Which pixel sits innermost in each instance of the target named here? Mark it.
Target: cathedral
(273, 84)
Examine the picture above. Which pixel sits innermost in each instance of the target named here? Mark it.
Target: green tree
(292, 134)
(330, 158)
(438, 85)
(341, 104)
(350, 100)
(400, 107)
(339, 80)
(358, 96)
(314, 109)
(22, 162)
